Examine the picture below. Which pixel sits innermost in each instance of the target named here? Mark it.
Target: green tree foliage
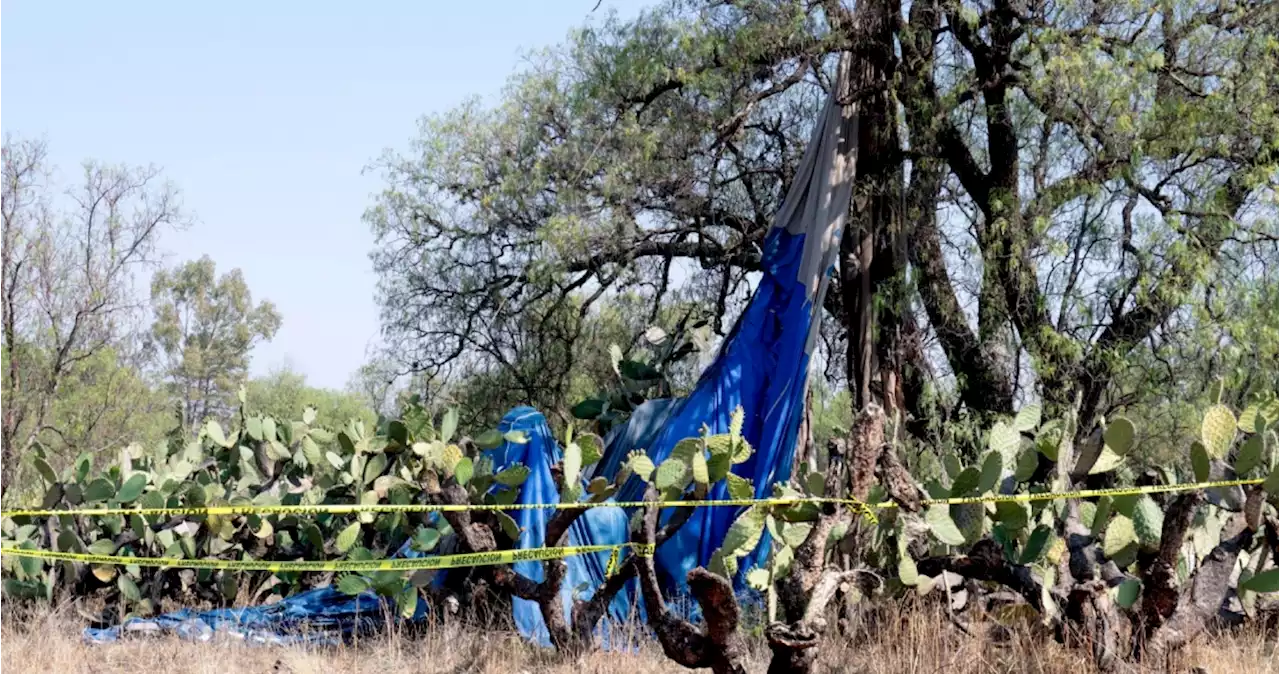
(284, 394)
(204, 328)
(573, 190)
(1082, 174)
(69, 261)
(106, 402)
(1220, 349)
(617, 356)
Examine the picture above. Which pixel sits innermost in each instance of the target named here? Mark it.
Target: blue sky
(264, 114)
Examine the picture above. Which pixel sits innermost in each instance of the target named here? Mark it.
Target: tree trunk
(805, 451)
(872, 258)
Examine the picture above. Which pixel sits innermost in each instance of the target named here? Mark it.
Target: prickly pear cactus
(263, 461)
(1127, 527)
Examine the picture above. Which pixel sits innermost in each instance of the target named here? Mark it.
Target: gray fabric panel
(818, 200)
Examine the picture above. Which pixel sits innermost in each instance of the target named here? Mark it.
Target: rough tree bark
(872, 259)
(1164, 628)
(986, 387)
(718, 646)
(867, 441)
(985, 561)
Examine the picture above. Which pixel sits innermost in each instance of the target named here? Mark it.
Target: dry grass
(913, 640)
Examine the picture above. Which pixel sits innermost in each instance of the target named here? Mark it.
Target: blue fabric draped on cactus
(326, 615)
(763, 363)
(597, 526)
(762, 366)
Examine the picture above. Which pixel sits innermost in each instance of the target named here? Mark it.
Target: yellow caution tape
(1083, 493)
(398, 564)
(506, 556)
(353, 508)
(613, 563)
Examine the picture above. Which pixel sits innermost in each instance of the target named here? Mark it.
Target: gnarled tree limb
(1200, 599)
(986, 561)
(719, 647)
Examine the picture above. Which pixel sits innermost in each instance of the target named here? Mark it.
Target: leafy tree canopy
(1072, 179)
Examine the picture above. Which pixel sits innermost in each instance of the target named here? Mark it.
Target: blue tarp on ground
(320, 616)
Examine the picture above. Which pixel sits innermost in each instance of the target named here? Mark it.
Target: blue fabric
(325, 615)
(598, 526)
(762, 366)
(638, 432)
(763, 363)
(320, 616)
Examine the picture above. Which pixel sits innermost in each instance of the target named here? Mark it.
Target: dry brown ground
(910, 641)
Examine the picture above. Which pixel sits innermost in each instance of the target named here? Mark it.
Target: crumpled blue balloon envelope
(763, 364)
(597, 526)
(320, 616)
(325, 615)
